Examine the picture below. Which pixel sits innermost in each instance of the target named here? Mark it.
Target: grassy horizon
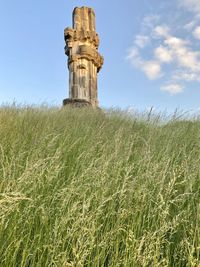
(82, 187)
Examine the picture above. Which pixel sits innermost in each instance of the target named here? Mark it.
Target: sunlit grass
(80, 187)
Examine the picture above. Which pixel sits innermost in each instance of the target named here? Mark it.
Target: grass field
(90, 188)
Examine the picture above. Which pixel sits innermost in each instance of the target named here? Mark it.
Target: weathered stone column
(84, 60)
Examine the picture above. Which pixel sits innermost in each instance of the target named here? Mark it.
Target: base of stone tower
(79, 103)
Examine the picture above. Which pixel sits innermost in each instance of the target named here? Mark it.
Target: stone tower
(84, 60)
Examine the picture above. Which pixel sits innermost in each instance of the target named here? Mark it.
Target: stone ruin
(84, 60)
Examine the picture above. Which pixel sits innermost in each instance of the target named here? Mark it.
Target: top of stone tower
(85, 8)
(84, 19)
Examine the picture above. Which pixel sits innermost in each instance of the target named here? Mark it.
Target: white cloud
(163, 54)
(184, 56)
(188, 59)
(177, 50)
(173, 89)
(196, 33)
(175, 41)
(151, 68)
(161, 31)
(141, 40)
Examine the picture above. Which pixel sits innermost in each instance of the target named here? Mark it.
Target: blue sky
(151, 51)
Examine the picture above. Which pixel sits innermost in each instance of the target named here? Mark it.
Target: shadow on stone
(77, 103)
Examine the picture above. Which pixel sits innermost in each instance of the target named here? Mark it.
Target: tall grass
(81, 187)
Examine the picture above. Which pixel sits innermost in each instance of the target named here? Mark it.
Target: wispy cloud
(191, 5)
(173, 89)
(183, 75)
(141, 40)
(196, 33)
(190, 25)
(151, 68)
(150, 21)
